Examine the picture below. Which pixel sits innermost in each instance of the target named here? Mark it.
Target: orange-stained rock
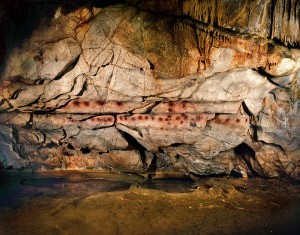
(278, 19)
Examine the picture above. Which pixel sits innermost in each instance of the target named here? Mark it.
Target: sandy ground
(78, 205)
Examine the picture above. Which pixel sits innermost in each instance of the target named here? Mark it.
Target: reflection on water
(15, 188)
(172, 185)
(57, 187)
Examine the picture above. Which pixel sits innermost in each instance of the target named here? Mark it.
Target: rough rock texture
(121, 88)
(277, 19)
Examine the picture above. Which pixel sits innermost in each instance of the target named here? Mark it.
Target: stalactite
(275, 19)
(286, 22)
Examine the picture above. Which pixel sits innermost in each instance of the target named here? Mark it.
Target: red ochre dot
(166, 119)
(171, 104)
(133, 118)
(140, 117)
(152, 118)
(185, 117)
(218, 121)
(170, 110)
(169, 116)
(121, 118)
(227, 120)
(109, 119)
(76, 103)
(177, 118)
(199, 118)
(181, 122)
(86, 103)
(183, 105)
(146, 117)
(237, 120)
(100, 102)
(125, 118)
(160, 119)
(119, 103)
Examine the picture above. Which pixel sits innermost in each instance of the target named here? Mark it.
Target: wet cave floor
(90, 202)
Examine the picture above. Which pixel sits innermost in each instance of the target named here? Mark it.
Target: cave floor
(100, 203)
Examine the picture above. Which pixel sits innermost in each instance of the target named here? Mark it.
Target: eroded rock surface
(124, 89)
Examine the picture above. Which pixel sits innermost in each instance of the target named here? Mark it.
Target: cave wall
(201, 87)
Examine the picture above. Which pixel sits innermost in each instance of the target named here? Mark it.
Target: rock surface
(121, 88)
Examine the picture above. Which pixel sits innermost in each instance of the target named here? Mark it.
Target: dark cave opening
(85, 150)
(245, 152)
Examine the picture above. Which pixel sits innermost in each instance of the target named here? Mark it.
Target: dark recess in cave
(134, 144)
(85, 150)
(70, 146)
(245, 152)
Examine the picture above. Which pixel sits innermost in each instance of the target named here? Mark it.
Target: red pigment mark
(109, 119)
(177, 118)
(121, 118)
(169, 116)
(76, 103)
(119, 103)
(183, 104)
(227, 120)
(185, 117)
(166, 119)
(152, 118)
(140, 117)
(100, 102)
(198, 118)
(126, 118)
(133, 118)
(98, 119)
(146, 117)
(237, 120)
(218, 121)
(181, 122)
(86, 103)
(171, 104)
(160, 119)
(170, 110)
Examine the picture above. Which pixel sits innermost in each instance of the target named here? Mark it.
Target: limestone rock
(270, 161)
(188, 160)
(279, 121)
(126, 161)
(281, 21)
(47, 63)
(246, 86)
(124, 89)
(9, 157)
